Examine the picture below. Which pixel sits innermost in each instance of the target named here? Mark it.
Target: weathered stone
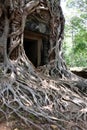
(80, 71)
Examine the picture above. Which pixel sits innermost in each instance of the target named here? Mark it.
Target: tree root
(39, 100)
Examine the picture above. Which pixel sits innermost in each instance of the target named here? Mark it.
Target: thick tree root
(41, 101)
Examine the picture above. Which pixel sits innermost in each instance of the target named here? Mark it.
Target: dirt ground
(18, 125)
(4, 126)
(13, 126)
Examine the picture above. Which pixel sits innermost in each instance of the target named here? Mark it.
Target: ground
(19, 125)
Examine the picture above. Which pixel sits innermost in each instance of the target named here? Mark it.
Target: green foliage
(78, 4)
(75, 44)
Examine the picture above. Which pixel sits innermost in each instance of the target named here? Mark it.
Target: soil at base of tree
(20, 125)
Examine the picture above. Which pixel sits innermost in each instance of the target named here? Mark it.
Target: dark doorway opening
(31, 50)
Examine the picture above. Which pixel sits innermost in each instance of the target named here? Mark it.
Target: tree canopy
(76, 28)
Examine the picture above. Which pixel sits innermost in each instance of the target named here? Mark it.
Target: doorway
(31, 50)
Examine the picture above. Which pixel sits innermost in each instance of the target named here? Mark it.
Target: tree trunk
(40, 99)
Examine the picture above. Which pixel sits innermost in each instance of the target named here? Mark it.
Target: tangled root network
(41, 101)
